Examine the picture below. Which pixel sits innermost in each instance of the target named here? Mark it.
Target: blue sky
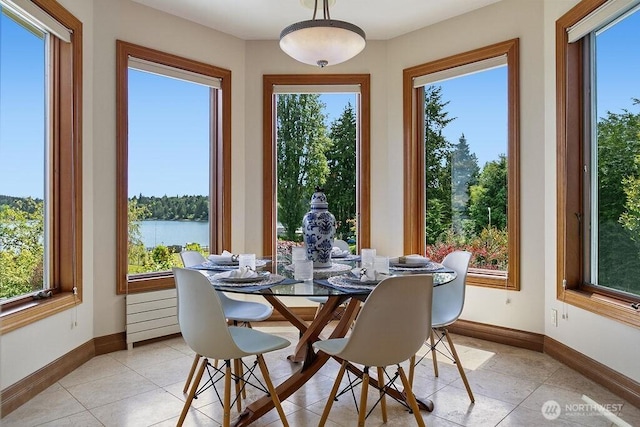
(181, 107)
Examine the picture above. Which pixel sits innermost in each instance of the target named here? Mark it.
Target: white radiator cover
(151, 315)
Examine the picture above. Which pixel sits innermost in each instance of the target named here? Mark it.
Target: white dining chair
(448, 302)
(204, 327)
(238, 312)
(392, 325)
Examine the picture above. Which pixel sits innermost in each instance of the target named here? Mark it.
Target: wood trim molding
(499, 334)
(220, 188)
(413, 113)
(110, 343)
(363, 190)
(617, 383)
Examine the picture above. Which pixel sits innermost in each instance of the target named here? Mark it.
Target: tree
(488, 198)
(302, 143)
(464, 174)
(437, 163)
(618, 145)
(21, 248)
(340, 187)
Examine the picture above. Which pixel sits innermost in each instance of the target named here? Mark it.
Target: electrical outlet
(554, 317)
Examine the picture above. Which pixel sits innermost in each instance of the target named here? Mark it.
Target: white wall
(102, 312)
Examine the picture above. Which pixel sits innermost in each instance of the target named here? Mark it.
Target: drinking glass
(247, 260)
(303, 270)
(367, 256)
(298, 253)
(381, 264)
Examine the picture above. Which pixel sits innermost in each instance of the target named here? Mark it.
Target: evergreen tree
(437, 164)
(464, 174)
(302, 164)
(340, 187)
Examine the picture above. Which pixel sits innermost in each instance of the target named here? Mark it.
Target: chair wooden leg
(433, 353)
(272, 390)
(192, 393)
(363, 397)
(332, 395)
(408, 391)
(194, 365)
(237, 370)
(226, 406)
(412, 369)
(244, 388)
(383, 396)
(459, 365)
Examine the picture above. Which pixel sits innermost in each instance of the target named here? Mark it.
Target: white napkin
(241, 273)
(336, 251)
(416, 259)
(368, 274)
(225, 256)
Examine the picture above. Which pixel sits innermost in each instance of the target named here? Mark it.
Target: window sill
(32, 311)
(602, 305)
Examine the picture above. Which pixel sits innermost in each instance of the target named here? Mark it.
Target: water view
(168, 233)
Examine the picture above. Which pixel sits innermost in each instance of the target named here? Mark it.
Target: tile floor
(143, 387)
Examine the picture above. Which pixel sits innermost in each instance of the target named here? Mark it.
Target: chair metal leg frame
(383, 386)
(216, 375)
(452, 355)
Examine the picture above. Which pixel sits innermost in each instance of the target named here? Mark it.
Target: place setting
(227, 261)
(414, 263)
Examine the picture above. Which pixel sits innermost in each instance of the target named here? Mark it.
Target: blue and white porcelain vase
(319, 228)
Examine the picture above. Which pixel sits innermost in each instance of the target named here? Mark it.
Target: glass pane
(316, 146)
(169, 177)
(466, 127)
(23, 153)
(615, 245)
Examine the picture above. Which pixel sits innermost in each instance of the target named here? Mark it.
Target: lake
(174, 233)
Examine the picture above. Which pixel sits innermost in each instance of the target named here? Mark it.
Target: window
(349, 126)
(173, 163)
(598, 119)
(40, 176)
(462, 161)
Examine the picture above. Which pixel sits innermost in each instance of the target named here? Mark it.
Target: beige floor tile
(194, 418)
(45, 407)
(111, 389)
(96, 368)
(566, 377)
(524, 364)
(630, 414)
(521, 416)
(83, 419)
(453, 404)
(498, 386)
(146, 355)
(142, 410)
(569, 403)
(169, 372)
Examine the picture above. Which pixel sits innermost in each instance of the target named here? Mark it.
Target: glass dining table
(344, 298)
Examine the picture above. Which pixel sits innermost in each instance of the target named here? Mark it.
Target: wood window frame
(414, 152)
(65, 176)
(571, 286)
(220, 187)
(270, 184)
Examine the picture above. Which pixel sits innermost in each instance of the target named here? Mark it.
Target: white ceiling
(264, 19)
